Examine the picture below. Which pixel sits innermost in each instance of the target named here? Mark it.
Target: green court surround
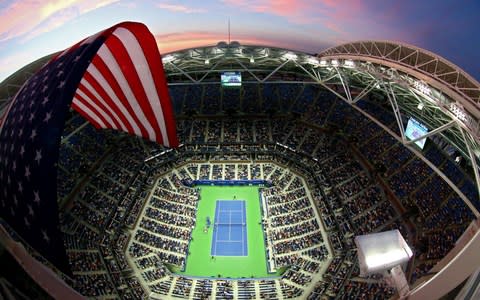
(199, 261)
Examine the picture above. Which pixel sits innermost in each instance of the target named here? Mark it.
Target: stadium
(284, 158)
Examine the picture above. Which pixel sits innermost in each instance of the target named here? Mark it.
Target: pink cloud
(294, 11)
(332, 15)
(177, 41)
(184, 40)
(30, 18)
(180, 8)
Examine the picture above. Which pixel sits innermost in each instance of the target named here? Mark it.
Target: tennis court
(230, 230)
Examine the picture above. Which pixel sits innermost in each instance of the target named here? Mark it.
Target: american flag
(124, 87)
(115, 79)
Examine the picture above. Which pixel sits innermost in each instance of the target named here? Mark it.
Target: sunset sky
(34, 28)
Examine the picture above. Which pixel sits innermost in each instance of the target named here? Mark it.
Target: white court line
(216, 229)
(229, 226)
(243, 246)
(230, 238)
(216, 241)
(244, 238)
(228, 241)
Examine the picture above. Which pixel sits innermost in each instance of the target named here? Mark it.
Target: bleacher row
(372, 142)
(170, 182)
(163, 191)
(211, 99)
(106, 184)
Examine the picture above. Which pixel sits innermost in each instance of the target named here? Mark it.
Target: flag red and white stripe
(115, 79)
(124, 87)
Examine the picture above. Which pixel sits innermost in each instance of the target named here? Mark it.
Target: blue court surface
(230, 229)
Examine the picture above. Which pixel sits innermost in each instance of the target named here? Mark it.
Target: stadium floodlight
(312, 61)
(252, 60)
(381, 251)
(385, 253)
(420, 106)
(349, 63)
(323, 63)
(422, 88)
(168, 58)
(458, 112)
(290, 56)
(334, 62)
(207, 61)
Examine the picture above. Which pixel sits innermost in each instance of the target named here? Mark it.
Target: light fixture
(290, 56)
(385, 253)
(381, 251)
(207, 61)
(422, 88)
(420, 106)
(168, 58)
(458, 112)
(312, 61)
(349, 63)
(323, 62)
(252, 60)
(334, 62)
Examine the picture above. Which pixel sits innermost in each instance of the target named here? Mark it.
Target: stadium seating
(127, 215)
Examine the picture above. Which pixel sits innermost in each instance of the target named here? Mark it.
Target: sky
(31, 29)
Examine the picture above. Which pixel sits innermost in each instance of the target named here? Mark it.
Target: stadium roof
(412, 82)
(409, 81)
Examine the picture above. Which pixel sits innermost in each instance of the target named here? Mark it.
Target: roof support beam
(248, 71)
(426, 63)
(365, 91)
(407, 56)
(345, 85)
(183, 72)
(322, 83)
(209, 71)
(275, 71)
(396, 110)
(394, 49)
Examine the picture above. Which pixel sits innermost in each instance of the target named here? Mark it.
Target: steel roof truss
(183, 72)
(212, 68)
(395, 109)
(247, 70)
(344, 85)
(365, 91)
(275, 70)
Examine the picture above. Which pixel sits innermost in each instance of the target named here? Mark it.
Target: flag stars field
(32, 171)
(48, 116)
(27, 172)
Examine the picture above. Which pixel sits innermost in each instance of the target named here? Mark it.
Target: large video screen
(231, 79)
(414, 130)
